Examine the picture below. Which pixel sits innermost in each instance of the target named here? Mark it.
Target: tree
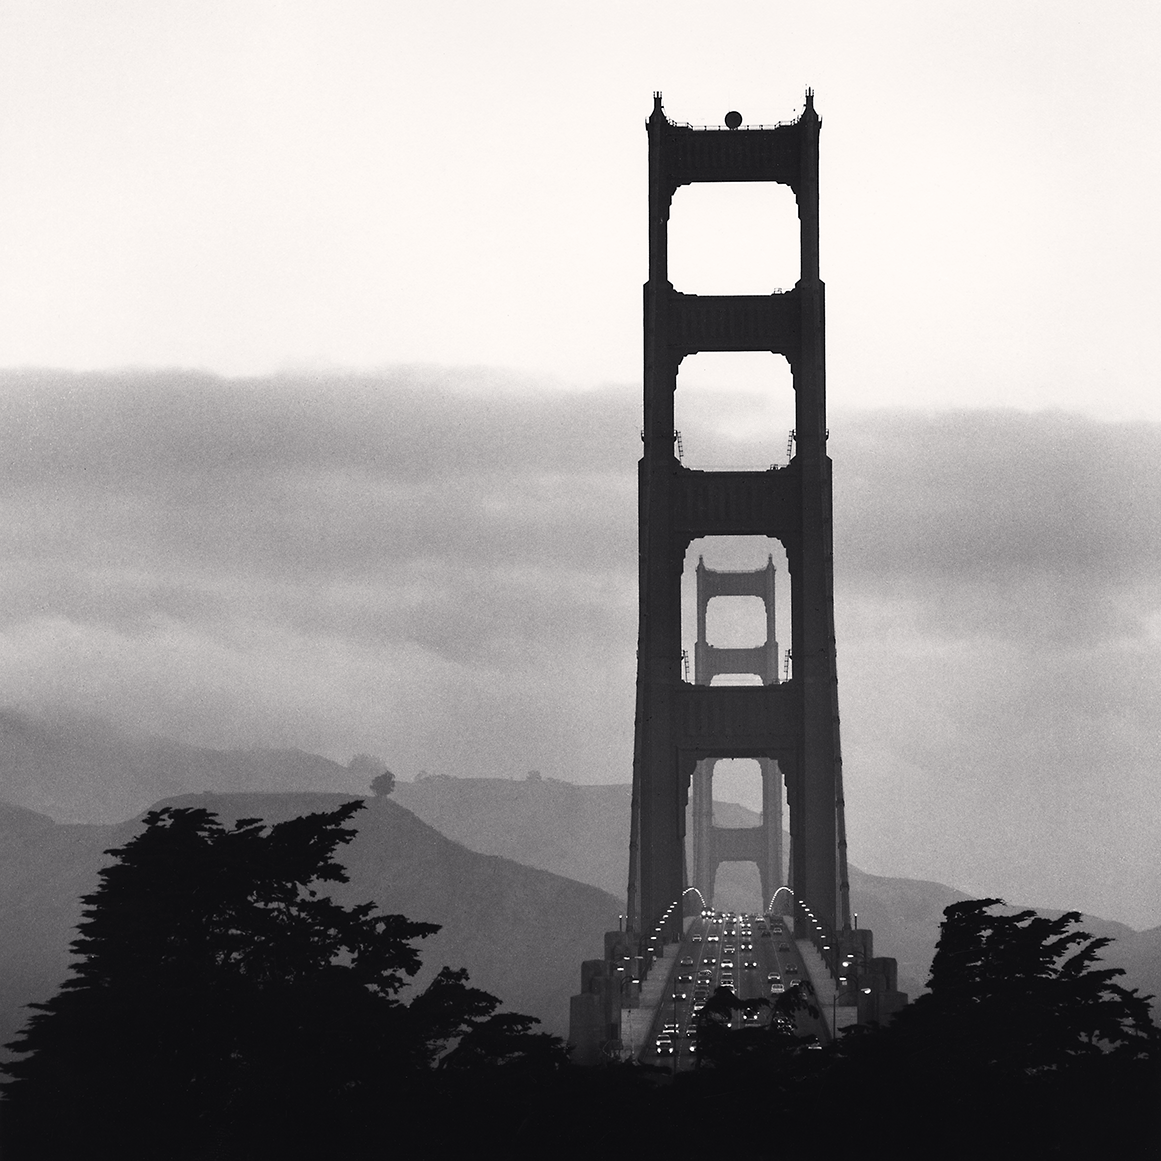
(772, 1045)
(383, 785)
(1026, 993)
(220, 988)
(372, 766)
(1021, 1032)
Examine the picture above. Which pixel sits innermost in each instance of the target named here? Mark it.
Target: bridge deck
(715, 953)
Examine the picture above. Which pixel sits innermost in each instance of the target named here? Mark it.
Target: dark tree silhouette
(772, 1044)
(1025, 1044)
(219, 989)
(1023, 993)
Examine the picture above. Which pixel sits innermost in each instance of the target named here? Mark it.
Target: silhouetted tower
(794, 723)
(762, 844)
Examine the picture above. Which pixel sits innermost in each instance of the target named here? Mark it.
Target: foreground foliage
(1025, 1044)
(222, 1000)
(224, 1006)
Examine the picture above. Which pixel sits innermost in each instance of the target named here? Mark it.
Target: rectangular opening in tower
(737, 793)
(736, 621)
(733, 237)
(738, 887)
(734, 409)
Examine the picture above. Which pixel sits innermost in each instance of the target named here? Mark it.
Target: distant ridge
(86, 770)
(75, 770)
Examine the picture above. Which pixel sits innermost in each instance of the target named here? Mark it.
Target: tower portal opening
(737, 793)
(734, 410)
(737, 887)
(736, 622)
(739, 621)
(733, 237)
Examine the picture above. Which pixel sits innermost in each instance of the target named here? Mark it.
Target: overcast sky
(370, 484)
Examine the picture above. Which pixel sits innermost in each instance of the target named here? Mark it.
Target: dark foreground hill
(582, 832)
(521, 932)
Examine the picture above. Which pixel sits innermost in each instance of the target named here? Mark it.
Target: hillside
(520, 932)
(582, 832)
(85, 771)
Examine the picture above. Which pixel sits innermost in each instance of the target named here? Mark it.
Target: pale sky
(378, 268)
(243, 186)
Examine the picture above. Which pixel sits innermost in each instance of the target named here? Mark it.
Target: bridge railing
(824, 939)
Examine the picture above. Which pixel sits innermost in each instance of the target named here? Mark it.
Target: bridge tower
(792, 723)
(713, 845)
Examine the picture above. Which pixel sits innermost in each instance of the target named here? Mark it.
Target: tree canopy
(1023, 1029)
(1027, 993)
(218, 986)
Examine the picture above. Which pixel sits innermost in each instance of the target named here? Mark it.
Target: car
(729, 947)
(790, 969)
(772, 976)
(687, 961)
(727, 964)
(784, 947)
(678, 997)
(727, 981)
(710, 959)
(765, 935)
(777, 987)
(664, 1049)
(713, 939)
(750, 965)
(696, 939)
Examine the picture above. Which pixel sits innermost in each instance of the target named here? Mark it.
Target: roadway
(754, 955)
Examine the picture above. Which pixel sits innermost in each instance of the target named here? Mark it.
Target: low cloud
(441, 567)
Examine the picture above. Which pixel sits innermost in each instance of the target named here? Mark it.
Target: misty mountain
(77, 769)
(582, 832)
(521, 932)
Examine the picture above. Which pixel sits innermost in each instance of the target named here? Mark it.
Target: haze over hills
(86, 771)
(582, 832)
(521, 932)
